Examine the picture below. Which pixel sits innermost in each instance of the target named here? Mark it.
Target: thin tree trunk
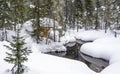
(37, 20)
(54, 32)
(5, 34)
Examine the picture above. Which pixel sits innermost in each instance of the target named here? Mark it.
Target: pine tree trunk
(97, 24)
(5, 34)
(18, 69)
(66, 17)
(77, 26)
(54, 32)
(38, 21)
(2, 37)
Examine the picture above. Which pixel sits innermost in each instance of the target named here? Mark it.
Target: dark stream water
(96, 64)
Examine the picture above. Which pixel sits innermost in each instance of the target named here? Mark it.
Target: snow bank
(102, 48)
(92, 35)
(52, 47)
(107, 48)
(69, 36)
(47, 64)
(89, 35)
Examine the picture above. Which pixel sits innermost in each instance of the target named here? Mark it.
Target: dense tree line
(89, 14)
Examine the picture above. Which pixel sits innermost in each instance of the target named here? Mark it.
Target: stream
(95, 64)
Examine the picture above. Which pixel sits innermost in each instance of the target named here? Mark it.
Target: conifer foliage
(18, 53)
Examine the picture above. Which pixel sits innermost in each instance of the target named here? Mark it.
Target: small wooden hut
(46, 25)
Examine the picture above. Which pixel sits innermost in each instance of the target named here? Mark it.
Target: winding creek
(96, 64)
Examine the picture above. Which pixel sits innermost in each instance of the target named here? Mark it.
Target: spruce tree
(97, 4)
(79, 10)
(18, 53)
(89, 13)
(4, 18)
(36, 26)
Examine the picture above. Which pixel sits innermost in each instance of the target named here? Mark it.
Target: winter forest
(59, 36)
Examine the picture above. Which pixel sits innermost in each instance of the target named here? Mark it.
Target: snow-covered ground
(40, 63)
(92, 35)
(104, 46)
(48, 64)
(107, 48)
(89, 35)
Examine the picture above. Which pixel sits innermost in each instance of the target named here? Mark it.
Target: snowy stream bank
(72, 52)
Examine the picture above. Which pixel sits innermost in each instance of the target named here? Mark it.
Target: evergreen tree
(79, 10)
(36, 27)
(69, 14)
(18, 10)
(97, 4)
(4, 18)
(89, 13)
(18, 53)
(65, 15)
(108, 13)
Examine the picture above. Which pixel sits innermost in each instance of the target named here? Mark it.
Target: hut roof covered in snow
(47, 22)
